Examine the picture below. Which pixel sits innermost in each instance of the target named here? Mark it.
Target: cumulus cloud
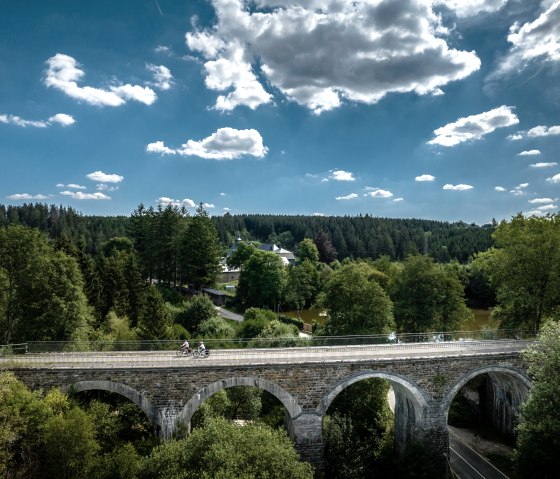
(474, 127)
(499, 188)
(519, 189)
(515, 137)
(209, 205)
(543, 164)
(538, 40)
(425, 178)
(105, 187)
(224, 144)
(378, 193)
(546, 207)
(541, 200)
(554, 179)
(61, 118)
(459, 187)
(162, 49)
(319, 55)
(341, 175)
(165, 200)
(318, 214)
(101, 177)
(529, 153)
(159, 147)
(26, 196)
(541, 130)
(467, 8)
(163, 79)
(78, 195)
(226, 209)
(351, 196)
(71, 185)
(64, 72)
(398, 200)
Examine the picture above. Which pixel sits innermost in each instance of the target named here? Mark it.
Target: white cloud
(529, 153)
(534, 213)
(379, 193)
(209, 205)
(60, 118)
(515, 137)
(159, 147)
(499, 188)
(541, 130)
(224, 144)
(543, 165)
(318, 214)
(162, 49)
(425, 178)
(467, 8)
(63, 73)
(518, 190)
(163, 79)
(541, 200)
(26, 196)
(459, 187)
(538, 40)
(187, 203)
(104, 187)
(78, 195)
(101, 177)
(474, 127)
(397, 200)
(351, 196)
(71, 185)
(341, 175)
(226, 210)
(320, 54)
(222, 194)
(546, 207)
(554, 179)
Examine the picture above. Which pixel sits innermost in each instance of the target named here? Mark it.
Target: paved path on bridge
(225, 357)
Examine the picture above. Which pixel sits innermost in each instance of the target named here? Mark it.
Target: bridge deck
(248, 357)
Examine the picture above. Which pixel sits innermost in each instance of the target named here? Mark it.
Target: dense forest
(352, 236)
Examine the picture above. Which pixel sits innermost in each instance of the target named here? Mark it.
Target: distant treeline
(352, 236)
(362, 236)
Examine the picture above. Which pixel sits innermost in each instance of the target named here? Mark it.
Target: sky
(434, 109)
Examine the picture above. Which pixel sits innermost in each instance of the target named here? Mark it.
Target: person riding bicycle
(185, 346)
(201, 347)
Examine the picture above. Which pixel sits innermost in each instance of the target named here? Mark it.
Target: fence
(259, 343)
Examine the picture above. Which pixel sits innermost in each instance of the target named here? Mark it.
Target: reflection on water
(480, 319)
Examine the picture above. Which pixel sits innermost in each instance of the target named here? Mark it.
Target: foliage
(538, 440)
(428, 296)
(307, 250)
(200, 253)
(303, 285)
(196, 311)
(526, 270)
(44, 298)
(224, 450)
(479, 271)
(215, 328)
(255, 320)
(154, 323)
(262, 281)
(355, 302)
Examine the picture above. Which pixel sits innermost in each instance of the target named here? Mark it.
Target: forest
(94, 280)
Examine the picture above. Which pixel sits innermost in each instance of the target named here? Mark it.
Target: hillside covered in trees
(352, 236)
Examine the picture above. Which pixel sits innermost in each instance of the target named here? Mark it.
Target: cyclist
(185, 346)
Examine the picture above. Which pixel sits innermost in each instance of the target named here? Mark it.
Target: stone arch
(495, 372)
(499, 396)
(287, 400)
(131, 394)
(412, 406)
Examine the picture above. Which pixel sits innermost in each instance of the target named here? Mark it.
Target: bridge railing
(254, 343)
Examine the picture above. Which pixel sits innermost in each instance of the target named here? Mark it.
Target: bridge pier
(306, 431)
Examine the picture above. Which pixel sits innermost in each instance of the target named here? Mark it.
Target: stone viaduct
(425, 379)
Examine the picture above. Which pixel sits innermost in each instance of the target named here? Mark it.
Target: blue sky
(434, 109)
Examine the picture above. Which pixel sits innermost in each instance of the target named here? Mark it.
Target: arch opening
(374, 422)
(482, 410)
(122, 390)
(243, 397)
